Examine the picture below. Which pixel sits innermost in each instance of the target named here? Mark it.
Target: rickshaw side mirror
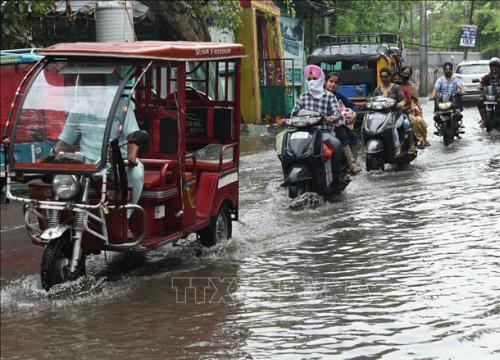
(139, 138)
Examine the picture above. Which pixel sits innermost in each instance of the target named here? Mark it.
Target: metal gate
(277, 95)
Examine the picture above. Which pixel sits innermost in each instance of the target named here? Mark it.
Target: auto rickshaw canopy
(161, 50)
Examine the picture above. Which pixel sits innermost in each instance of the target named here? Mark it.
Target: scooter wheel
(373, 162)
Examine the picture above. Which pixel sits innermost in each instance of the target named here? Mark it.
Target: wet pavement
(404, 265)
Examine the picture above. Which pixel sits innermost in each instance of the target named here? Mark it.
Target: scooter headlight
(65, 186)
(490, 97)
(444, 105)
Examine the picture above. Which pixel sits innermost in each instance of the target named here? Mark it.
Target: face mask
(405, 78)
(316, 87)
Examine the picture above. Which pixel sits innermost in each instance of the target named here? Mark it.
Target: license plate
(490, 102)
(299, 135)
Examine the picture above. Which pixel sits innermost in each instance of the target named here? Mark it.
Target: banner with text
(468, 36)
(292, 32)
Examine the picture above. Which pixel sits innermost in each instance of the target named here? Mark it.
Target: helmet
(494, 62)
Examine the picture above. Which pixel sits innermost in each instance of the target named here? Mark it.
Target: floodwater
(404, 265)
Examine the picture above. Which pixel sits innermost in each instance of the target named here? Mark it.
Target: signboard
(292, 32)
(468, 36)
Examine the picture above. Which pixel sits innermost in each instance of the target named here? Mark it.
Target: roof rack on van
(359, 38)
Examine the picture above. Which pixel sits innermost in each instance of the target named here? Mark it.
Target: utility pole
(412, 40)
(423, 49)
(466, 51)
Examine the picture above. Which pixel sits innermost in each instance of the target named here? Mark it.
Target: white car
(470, 72)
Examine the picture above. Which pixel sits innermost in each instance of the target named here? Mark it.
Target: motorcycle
(447, 119)
(491, 98)
(306, 158)
(377, 134)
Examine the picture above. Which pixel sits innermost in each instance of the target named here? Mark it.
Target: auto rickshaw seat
(158, 173)
(211, 165)
(162, 127)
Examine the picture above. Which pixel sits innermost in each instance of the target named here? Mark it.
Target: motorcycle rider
(492, 78)
(324, 103)
(393, 91)
(449, 85)
(343, 132)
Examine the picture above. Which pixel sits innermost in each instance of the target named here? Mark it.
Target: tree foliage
(190, 19)
(16, 31)
(444, 21)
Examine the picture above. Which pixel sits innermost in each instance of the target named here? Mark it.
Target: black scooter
(447, 119)
(377, 129)
(491, 96)
(307, 160)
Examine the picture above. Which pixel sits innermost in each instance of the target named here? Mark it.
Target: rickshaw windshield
(67, 107)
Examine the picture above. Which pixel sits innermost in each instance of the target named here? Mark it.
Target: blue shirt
(347, 103)
(446, 87)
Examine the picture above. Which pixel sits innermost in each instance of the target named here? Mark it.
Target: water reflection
(405, 264)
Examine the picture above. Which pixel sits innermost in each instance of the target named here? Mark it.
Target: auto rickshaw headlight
(65, 186)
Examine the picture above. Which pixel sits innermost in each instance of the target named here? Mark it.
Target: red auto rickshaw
(177, 102)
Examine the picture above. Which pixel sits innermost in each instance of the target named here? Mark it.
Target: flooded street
(405, 265)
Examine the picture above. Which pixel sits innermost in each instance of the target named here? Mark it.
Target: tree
(16, 31)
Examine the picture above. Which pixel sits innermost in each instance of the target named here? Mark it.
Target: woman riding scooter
(345, 134)
(393, 91)
(325, 104)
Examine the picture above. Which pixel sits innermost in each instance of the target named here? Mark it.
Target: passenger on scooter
(413, 107)
(449, 86)
(393, 91)
(325, 104)
(84, 127)
(492, 78)
(346, 136)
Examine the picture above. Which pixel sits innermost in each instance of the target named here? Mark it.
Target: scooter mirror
(139, 138)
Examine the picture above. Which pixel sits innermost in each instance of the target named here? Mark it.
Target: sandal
(354, 169)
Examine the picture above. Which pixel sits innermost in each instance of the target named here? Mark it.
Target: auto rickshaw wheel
(55, 263)
(220, 228)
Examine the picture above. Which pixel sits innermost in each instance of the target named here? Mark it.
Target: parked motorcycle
(447, 119)
(377, 134)
(306, 158)
(491, 99)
